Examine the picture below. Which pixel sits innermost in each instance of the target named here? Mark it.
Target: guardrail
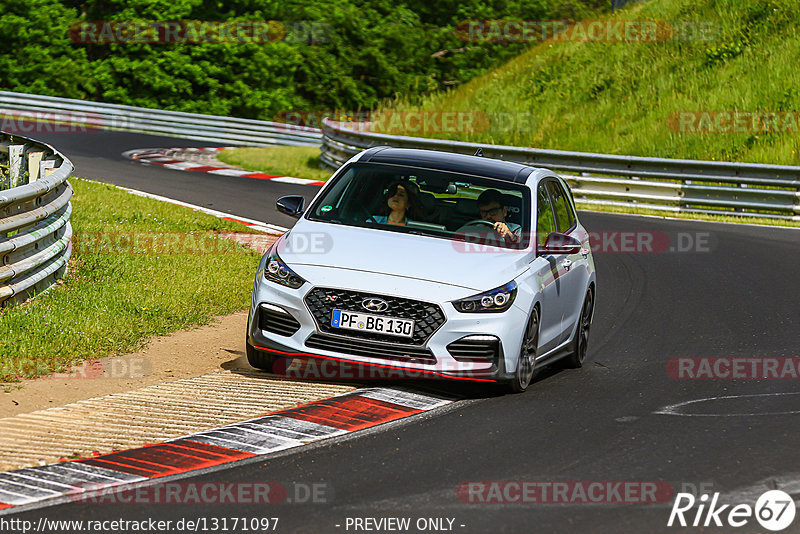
(35, 230)
(86, 115)
(742, 189)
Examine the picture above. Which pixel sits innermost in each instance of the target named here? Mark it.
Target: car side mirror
(291, 205)
(557, 243)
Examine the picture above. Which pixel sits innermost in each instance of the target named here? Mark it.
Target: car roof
(448, 161)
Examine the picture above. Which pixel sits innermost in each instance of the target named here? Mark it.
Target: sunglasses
(492, 212)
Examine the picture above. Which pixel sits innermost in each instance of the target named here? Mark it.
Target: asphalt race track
(734, 296)
(98, 156)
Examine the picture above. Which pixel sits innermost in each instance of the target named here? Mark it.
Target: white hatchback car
(429, 264)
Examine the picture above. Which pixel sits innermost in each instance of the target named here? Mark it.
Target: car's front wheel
(526, 364)
(581, 343)
(259, 359)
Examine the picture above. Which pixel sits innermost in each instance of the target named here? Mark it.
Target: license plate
(378, 324)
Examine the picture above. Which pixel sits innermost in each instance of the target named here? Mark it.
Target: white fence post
(46, 167)
(34, 160)
(15, 164)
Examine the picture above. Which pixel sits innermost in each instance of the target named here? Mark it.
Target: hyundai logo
(375, 304)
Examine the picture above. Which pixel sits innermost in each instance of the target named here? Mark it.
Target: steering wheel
(479, 222)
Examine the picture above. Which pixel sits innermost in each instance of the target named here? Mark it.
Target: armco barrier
(743, 189)
(25, 109)
(35, 231)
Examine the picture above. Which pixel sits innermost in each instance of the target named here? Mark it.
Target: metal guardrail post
(35, 210)
(714, 187)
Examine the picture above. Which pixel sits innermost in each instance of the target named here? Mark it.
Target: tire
(581, 342)
(259, 359)
(526, 363)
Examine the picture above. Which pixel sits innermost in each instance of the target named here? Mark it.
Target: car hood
(417, 257)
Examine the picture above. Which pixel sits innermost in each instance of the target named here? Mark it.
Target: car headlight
(277, 271)
(494, 301)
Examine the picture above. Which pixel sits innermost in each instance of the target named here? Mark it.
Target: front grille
(475, 349)
(427, 317)
(277, 321)
(370, 349)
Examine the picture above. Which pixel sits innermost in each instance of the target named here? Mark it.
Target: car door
(571, 267)
(545, 268)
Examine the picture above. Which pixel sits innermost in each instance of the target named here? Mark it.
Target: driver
(492, 209)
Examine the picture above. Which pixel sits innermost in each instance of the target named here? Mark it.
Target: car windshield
(427, 202)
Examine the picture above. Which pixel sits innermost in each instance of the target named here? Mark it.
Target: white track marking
(165, 157)
(230, 172)
(181, 165)
(292, 180)
(675, 409)
(258, 225)
(404, 398)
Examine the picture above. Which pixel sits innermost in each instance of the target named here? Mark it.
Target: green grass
(618, 98)
(692, 216)
(112, 301)
(297, 161)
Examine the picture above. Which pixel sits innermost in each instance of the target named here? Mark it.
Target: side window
(545, 224)
(565, 218)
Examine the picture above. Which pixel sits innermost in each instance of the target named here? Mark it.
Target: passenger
(401, 205)
(493, 209)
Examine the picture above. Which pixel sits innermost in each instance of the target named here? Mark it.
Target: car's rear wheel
(259, 359)
(581, 343)
(526, 364)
